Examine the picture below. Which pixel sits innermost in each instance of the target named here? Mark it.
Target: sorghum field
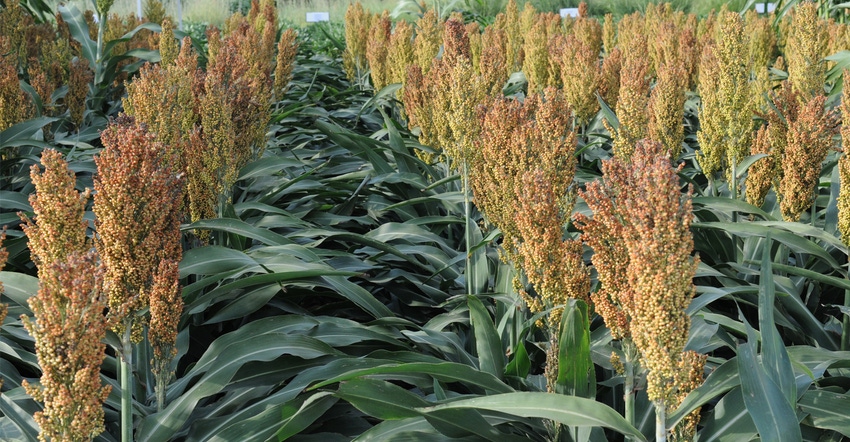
(439, 224)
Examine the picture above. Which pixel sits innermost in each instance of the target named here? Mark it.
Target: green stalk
(468, 238)
(629, 391)
(739, 242)
(660, 422)
(126, 384)
(734, 184)
(161, 384)
(845, 324)
(814, 207)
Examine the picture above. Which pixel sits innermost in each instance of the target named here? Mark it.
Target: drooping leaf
(827, 410)
(770, 411)
(576, 373)
(567, 410)
(380, 399)
(774, 356)
(491, 357)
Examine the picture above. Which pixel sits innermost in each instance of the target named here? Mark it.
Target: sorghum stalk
(629, 391)
(126, 365)
(639, 209)
(103, 7)
(844, 195)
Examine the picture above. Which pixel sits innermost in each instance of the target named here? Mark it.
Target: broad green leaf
(772, 414)
(358, 295)
(576, 372)
(245, 304)
(163, 425)
(458, 423)
(520, 364)
(297, 421)
(21, 418)
(609, 114)
(491, 356)
(842, 283)
(401, 154)
(568, 410)
(210, 260)
(239, 227)
(729, 206)
(20, 133)
(15, 201)
(445, 371)
(415, 429)
(380, 399)
(19, 287)
(364, 147)
(478, 262)
(721, 380)
(774, 356)
(827, 410)
(729, 421)
(80, 32)
(745, 164)
(793, 241)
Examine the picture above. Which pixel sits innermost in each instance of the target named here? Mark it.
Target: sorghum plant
(667, 108)
(526, 153)
(59, 229)
(137, 204)
(641, 229)
(808, 40)
(632, 102)
(809, 142)
(69, 327)
(357, 24)
(287, 47)
(429, 38)
(68, 323)
(376, 50)
(726, 114)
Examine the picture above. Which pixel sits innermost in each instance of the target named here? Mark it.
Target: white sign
(770, 7)
(313, 17)
(569, 12)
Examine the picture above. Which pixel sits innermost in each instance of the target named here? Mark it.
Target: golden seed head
(429, 38)
(809, 142)
(69, 328)
(525, 153)
(536, 61)
(667, 108)
(726, 115)
(376, 50)
(609, 33)
(167, 43)
(357, 24)
(78, 89)
(579, 63)
(761, 174)
(632, 104)
(808, 40)
(455, 43)
(400, 53)
(609, 77)
(639, 207)
(59, 229)
(137, 203)
(509, 22)
(844, 164)
(493, 60)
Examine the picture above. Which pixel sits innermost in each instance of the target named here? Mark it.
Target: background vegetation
(345, 287)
